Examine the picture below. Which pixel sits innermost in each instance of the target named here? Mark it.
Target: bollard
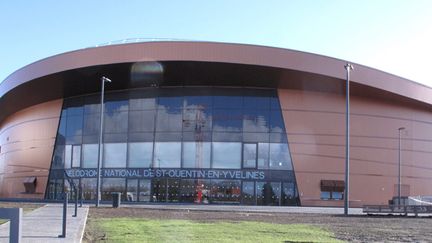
(76, 203)
(81, 196)
(65, 204)
(15, 216)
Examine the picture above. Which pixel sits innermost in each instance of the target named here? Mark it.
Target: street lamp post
(400, 164)
(100, 152)
(348, 68)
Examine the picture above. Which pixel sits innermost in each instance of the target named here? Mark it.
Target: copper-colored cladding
(315, 124)
(27, 141)
(311, 89)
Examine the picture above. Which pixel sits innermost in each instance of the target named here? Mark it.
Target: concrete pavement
(45, 224)
(239, 208)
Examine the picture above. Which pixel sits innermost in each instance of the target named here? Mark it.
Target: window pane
(58, 158)
(141, 121)
(90, 155)
(142, 104)
(68, 156)
(256, 120)
(276, 122)
(279, 157)
(228, 102)
(132, 190)
(263, 155)
(197, 119)
(227, 120)
(170, 102)
(144, 190)
(268, 193)
(337, 195)
(256, 102)
(110, 185)
(248, 193)
(115, 106)
(76, 156)
(249, 155)
(91, 124)
(226, 155)
(115, 155)
(325, 195)
(169, 120)
(89, 188)
(195, 102)
(289, 196)
(167, 155)
(140, 154)
(74, 126)
(196, 154)
(116, 122)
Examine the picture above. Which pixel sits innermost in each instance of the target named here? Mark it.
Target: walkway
(236, 208)
(45, 224)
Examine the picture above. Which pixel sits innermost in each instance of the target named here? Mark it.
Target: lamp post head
(349, 66)
(105, 79)
(401, 128)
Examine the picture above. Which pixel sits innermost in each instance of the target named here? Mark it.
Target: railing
(138, 40)
(397, 209)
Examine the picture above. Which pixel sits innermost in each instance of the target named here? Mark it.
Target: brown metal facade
(315, 123)
(27, 141)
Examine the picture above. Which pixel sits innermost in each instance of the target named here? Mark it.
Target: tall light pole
(348, 68)
(400, 164)
(100, 151)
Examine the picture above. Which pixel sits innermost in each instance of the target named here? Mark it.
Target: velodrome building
(212, 123)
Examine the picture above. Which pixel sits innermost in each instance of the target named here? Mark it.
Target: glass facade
(193, 145)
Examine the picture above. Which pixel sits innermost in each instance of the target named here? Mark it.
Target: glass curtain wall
(227, 129)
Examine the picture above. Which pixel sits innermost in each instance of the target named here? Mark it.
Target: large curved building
(199, 122)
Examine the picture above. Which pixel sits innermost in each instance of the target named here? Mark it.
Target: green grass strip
(142, 230)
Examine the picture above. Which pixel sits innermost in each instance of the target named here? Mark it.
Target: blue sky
(390, 35)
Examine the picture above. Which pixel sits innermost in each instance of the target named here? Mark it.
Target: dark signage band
(137, 173)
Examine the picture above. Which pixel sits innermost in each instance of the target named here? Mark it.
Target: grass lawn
(145, 230)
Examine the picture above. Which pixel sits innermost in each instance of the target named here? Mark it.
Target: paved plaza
(45, 224)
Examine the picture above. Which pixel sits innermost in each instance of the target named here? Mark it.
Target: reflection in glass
(140, 154)
(263, 155)
(167, 155)
(196, 154)
(226, 155)
(111, 185)
(76, 156)
(197, 119)
(279, 157)
(91, 124)
(268, 193)
(90, 155)
(249, 155)
(58, 158)
(144, 190)
(68, 156)
(248, 193)
(289, 195)
(132, 190)
(142, 104)
(115, 155)
(89, 188)
(227, 120)
(169, 120)
(256, 121)
(225, 191)
(74, 126)
(116, 122)
(141, 121)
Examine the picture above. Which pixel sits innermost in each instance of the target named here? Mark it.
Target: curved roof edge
(216, 52)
